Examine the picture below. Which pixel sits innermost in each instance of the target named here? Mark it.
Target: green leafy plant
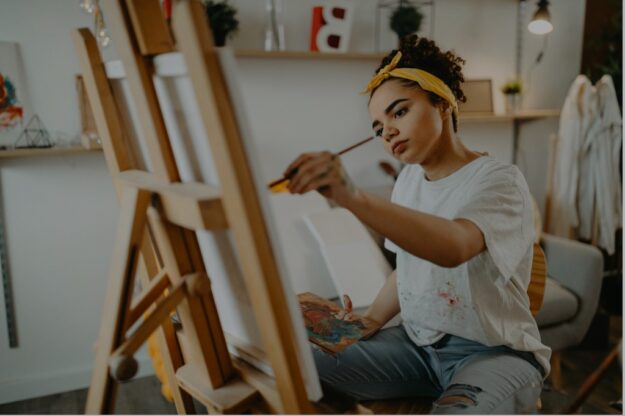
(222, 20)
(514, 86)
(406, 19)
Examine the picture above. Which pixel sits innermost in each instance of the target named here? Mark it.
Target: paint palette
(328, 331)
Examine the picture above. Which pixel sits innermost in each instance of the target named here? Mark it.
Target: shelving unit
(172, 64)
(52, 151)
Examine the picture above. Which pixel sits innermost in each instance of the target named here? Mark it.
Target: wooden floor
(143, 395)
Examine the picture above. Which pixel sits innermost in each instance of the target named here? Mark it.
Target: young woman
(461, 225)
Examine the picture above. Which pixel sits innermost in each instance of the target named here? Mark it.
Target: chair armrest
(579, 268)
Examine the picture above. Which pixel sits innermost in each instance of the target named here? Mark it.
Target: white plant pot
(513, 103)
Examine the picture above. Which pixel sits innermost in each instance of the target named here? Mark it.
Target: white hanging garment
(600, 201)
(586, 183)
(574, 122)
(588, 158)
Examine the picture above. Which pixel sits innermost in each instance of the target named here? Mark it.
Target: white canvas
(307, 363)
(306, 267)
(14, 107)
(356, 263)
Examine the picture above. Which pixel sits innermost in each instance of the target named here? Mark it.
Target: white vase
(274, 30)
(513, 103)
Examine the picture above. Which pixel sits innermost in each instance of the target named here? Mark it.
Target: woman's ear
(445, 110)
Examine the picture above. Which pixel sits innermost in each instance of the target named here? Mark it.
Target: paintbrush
(274, 186)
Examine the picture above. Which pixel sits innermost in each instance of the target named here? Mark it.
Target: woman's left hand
(323, 172)
(346, 313)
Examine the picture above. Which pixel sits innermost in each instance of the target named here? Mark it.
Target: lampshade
(541, 22)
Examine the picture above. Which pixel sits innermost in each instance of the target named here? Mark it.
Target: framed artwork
(14, 108)
(479, 93)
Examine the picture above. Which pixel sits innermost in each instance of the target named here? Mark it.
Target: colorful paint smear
(10, 112)
(328, 331)
(449, 295)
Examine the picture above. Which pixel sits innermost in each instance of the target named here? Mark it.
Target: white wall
(61, 211)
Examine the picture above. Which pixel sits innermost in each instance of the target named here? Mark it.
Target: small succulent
(514, 86)
(222, 20)
(406, 19)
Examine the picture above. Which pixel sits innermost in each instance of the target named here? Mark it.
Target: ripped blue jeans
(465, 376)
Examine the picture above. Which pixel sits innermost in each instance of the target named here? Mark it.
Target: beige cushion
(559, 305)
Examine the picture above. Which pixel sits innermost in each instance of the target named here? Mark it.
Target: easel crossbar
(191, 205)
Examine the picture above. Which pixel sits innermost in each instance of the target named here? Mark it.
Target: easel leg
(200, 344)
(591, 382)
(165, 335)
(134, 204)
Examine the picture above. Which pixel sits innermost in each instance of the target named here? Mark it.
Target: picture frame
(479, 94)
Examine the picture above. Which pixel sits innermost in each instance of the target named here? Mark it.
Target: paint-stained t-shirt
(484, 299)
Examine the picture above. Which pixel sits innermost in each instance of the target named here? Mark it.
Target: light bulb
(541, 21)
(540, 27)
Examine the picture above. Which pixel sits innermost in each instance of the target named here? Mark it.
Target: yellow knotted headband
(425, 80)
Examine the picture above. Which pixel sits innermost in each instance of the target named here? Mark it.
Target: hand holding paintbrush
(316, 163)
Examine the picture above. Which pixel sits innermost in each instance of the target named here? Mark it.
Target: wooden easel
(155, 238)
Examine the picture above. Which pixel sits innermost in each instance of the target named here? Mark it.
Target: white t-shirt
(484, 299)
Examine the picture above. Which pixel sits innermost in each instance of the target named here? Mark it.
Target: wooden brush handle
(294, 171)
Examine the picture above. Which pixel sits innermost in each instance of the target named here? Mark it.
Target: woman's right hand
(323, 172)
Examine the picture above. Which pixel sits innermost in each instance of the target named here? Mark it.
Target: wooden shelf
(52, 151)
(172, 64)
(256, 53)
(524, 115)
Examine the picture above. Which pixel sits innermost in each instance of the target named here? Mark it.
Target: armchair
(571, 296)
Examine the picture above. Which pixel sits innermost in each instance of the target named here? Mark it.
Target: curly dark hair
(422, 53)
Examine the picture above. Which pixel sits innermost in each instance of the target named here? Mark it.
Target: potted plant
(406, 19)
(512, 90)
(222, 20)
